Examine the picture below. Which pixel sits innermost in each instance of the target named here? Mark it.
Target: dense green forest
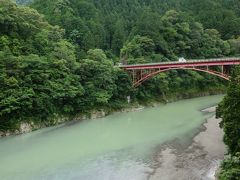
(228, 110)
(172, 25)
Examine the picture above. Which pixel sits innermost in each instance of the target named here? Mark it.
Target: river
(122, 146)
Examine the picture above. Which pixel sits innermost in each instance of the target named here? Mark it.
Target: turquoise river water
(118, 147)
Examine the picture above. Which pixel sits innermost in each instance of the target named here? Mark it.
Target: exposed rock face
(2, 134)
(60, 119)
(80, 117)
(29, 127)
(132, 109)
(25, 128)
(97, 114)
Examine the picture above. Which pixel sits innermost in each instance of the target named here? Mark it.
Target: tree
(97, 77)
(140, 46)
(118, 37)
(234, 46)
(37, 69)
(228, 110)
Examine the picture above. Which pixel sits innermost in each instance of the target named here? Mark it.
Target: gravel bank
(197, 161)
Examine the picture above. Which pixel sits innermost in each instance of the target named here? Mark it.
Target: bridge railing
(187, 61)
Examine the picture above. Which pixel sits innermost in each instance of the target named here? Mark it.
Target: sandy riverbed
(197, 161)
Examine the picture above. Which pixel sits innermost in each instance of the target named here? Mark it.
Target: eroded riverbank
(30, 126)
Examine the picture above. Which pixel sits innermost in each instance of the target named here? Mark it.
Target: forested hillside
(108, 24)
(222, 15)
(41, 76)
(61, 63)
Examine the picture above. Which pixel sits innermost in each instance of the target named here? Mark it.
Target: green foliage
(170, 24)
(40, 76)
(139, 47)
(79, 18)
(235, 46)
(97, 77)
(230, 168)
(228, 110)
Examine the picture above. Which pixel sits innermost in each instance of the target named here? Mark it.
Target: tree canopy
(112, 23)
(228, 110)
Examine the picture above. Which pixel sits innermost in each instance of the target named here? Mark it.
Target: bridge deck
(188, 63)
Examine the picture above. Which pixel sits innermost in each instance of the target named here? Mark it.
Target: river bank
(198, 160)
(29, 126)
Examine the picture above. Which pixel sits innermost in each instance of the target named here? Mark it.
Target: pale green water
(118, 147)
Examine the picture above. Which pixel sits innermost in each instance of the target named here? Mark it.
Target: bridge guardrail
(188, 61)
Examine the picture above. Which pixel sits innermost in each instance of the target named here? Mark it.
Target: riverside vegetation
(62, 63)
(47, 71)
(228, 110)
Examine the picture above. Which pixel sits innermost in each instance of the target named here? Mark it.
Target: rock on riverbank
(26, 127)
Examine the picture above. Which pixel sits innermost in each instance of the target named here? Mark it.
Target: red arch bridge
(219, 67)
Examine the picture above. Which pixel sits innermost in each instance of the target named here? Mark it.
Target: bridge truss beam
(141, 75)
